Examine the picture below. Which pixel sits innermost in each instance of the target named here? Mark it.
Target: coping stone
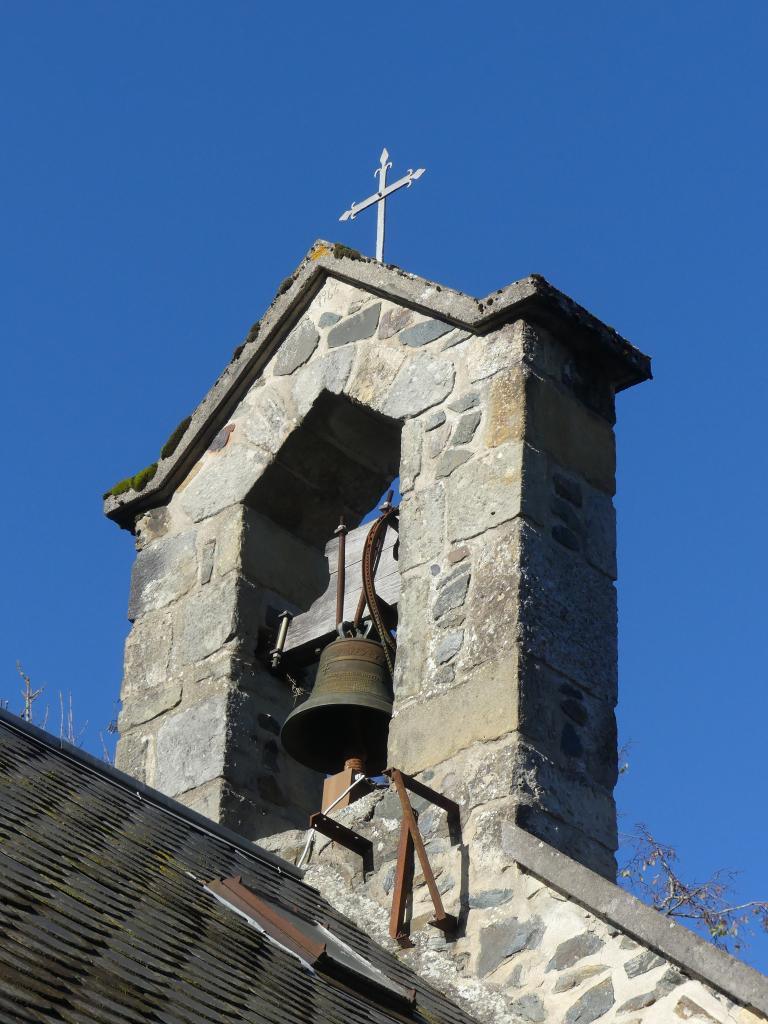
(623, 364)
(612, 904)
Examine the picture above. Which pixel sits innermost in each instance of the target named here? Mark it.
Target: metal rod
(341, 571)
(441, 918)
(403, 881)
(439, 799)
(339, 833)
(276, 654)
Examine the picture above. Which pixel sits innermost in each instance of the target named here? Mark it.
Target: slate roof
(532, 298)
(104, 916)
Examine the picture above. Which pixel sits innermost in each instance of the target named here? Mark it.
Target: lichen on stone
(319, 250)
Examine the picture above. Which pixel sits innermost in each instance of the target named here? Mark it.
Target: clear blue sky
(164, 165)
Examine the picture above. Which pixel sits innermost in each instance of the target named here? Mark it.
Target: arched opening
(338, 462)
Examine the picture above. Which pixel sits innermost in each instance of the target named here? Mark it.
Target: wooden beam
(319, 621)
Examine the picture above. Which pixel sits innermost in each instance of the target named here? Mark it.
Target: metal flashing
(310, 942)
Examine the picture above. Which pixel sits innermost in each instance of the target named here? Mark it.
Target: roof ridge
(164, 803)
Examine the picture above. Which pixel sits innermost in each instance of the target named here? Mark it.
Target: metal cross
(380, 197)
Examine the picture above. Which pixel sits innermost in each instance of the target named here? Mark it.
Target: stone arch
(338, 461)
(317, 434)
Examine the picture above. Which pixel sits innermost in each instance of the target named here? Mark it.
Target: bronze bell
(347, 715)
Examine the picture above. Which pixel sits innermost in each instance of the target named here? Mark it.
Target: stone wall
(508, 545)
(540, 938)
(507, 631)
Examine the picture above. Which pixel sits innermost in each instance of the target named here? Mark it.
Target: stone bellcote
(497, 416)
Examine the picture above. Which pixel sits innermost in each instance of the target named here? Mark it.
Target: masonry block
(577, 438)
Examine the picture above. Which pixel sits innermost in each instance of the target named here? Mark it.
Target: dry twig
(651, 873)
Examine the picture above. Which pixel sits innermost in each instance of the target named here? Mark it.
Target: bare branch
(651, 873)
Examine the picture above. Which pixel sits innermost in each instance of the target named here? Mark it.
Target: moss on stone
(250, 336)
(343, 251)
(142, 478)
(285, 284)
(137, 482)
(120, 488)
(172, 443)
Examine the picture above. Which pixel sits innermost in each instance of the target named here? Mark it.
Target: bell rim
(363, 656)
(380, 707)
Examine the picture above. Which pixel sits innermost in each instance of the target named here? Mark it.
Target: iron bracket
(344, 836)
(410, 840)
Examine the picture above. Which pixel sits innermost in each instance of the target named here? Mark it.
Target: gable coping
(531, 296)
(609, 902)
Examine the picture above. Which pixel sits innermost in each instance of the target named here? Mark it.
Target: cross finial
(380, 198)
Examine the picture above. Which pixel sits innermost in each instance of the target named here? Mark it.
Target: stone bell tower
(497, 416)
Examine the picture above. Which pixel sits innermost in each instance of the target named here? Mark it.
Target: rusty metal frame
(410, 840)
(322, 955)
(398, 929)
(268, 917)
(344, 836)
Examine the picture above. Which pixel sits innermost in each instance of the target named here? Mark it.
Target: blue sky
(165, 165)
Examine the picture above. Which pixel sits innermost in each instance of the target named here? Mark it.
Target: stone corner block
(163, 571)
(575, 437)
(223, 479)
(481, 708)
(191, 746)
(206, 621)
(485, 492)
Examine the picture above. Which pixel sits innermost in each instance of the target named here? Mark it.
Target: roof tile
(105, 918)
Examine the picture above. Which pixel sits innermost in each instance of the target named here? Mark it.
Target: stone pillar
(201, 716)
(507, 664)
